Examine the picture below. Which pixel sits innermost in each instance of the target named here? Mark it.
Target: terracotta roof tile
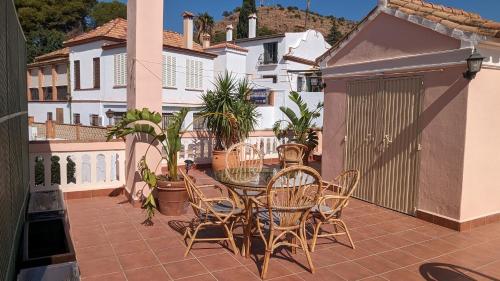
(227, 45)
(116, 30)
(447, 16)
(64, 52)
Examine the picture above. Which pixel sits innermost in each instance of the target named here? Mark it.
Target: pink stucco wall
(388, 37)
(481, 179)
(144, 87)
(442, 122)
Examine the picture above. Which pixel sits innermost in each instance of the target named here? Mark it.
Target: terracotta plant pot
(218, 160)
(172, 197)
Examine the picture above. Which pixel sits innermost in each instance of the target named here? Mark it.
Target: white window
(169, 71)
(121, 69)
(194, 74)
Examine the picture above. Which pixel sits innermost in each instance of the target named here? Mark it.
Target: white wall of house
(39, 110)
(88, 101)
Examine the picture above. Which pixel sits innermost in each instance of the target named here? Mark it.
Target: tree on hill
(334, 35)
(103, 12)
(46, 22)
(247, 7)
(203, 24)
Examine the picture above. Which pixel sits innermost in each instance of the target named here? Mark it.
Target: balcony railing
(76, 166)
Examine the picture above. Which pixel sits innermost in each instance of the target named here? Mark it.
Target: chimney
(252, 25)
(229, 33)
(188, 29)
(205, 39)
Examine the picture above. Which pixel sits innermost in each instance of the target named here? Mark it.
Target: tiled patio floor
(112, 244)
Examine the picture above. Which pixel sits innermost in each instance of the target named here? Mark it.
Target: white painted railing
(72, 166)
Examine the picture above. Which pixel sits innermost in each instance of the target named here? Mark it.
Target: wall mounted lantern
(110, 113)
(474, 64)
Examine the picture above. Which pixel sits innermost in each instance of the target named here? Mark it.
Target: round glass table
(246, 185)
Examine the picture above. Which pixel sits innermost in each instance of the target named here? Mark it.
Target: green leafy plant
(299, 129)
(147, 122)
(229, 113)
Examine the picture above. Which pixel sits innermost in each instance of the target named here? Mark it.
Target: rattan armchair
(282, 213)
(243, 162)
(291, 154)
(329, 210)
(210, 212)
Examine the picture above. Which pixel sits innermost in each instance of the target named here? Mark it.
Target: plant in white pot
(230, 115)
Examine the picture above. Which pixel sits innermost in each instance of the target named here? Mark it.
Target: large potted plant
(230, 115)
(169, 188)
(299, 128)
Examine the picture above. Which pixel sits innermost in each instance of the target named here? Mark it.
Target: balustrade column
(63, 171)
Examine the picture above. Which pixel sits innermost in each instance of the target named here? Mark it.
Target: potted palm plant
(299, 128)
(170, 189)
(230, 115)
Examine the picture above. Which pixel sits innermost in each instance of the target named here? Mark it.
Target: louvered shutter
(164, 71)
(173, 69)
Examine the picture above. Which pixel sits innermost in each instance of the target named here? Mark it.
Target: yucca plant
(300, 129)
(147, 122)
(230, 115)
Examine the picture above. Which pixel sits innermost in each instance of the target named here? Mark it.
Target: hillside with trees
(47, 23)
(279, 19)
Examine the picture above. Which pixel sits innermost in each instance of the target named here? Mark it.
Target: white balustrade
(92, 170)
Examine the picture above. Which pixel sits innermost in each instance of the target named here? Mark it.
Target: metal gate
(383, 139)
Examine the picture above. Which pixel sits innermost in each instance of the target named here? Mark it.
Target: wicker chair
(210, 212)
(290, 196)
(243, 162)
(329, 210)
(291, 154)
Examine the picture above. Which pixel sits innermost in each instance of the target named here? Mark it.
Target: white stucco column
(144, 85)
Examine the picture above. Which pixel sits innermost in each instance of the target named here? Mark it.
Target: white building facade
(97, 62)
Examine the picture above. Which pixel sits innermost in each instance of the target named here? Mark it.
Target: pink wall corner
(442, 125)
(334, 129)
(144, 87)
(388, 37)
(481, 179)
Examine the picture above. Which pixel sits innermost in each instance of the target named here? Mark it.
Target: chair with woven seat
(281, 214)
(291, 154)
(219, 212)
(243, 162)
(329, 209)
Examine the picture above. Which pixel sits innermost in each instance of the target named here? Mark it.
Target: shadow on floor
(445, 272)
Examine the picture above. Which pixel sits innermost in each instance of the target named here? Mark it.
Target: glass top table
(246, 179)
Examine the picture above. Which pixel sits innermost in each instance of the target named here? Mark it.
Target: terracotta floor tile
(400, 258)
(395, 240)
(402, 274)
(185, 268)
(321, 274)
(155, 273)
(350, 253)
(94, 252)
(491, 270)
(439, 245)
(326, 257)
(173, 254)
(374, 246)
(351, 271)
(289, 278)
(123, 236)
(202, 277)
(137, 260)
(130, 247)
(233, 274)
(108, 277)
(275, 269)
(415, 236)
(99, 267)
(434, 230)
(421, 251)
(377, 264)
(118, 227)
(219, 262)
(160, 243)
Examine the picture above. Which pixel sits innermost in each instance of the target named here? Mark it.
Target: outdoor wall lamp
(109, 114)
(474, 64)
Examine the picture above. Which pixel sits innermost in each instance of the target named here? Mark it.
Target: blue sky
(351, 9)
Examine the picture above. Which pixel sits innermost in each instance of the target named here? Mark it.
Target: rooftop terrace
(112, 244)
